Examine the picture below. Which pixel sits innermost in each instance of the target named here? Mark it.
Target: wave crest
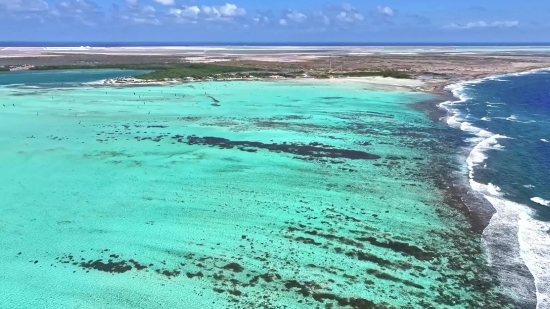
(541, 201)
(517, 244)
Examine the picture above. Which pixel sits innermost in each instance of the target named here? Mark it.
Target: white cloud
(226, 12)
(347, 13)
(131, 3)
(24, 5)
(78, 11)
(385, 10)
(296, 17)
(261, 20)
(149, 21)
(148, 9)
(134, 13)
(347, 7)
(191, 12)
(231, 10)
(283, 22)
(165, 2)
(349, 17)
(319, 16)
(483, 24)
(505, 24)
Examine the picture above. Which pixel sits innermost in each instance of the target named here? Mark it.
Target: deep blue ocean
(506, 124)
(515, 110)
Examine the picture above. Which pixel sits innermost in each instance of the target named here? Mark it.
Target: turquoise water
(229, 195)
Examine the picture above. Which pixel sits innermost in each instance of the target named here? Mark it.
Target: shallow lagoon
(229, 195)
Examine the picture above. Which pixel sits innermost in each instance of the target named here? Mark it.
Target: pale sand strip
(377, 82)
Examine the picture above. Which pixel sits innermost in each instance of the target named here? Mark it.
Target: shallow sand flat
(368, 83)
(402, 84)
(229, 195)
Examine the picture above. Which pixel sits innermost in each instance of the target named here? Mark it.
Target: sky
(353, 21)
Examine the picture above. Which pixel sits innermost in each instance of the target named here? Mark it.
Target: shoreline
(417, 84)
(413, 85)
(460, 190)
(508, 260)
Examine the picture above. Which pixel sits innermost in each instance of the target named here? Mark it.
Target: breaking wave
(518, 245)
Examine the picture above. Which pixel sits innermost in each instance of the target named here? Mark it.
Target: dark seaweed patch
(266, 277)
(310, 288)
(400, 247)
(306, 240)
(213, 99)
(234, 267)
(385, 276)
(332, 98)
(311, 150)
(110, 266)
(193, 275)
(341, 239)
(169, 273)
(137, 265)
(368, 257)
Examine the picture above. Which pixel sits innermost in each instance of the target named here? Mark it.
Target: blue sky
(275, 21)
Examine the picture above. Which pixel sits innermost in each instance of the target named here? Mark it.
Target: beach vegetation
(104, 66)
(195, 70)
(205, 71)
(392, 74)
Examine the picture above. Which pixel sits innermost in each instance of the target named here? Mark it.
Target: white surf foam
(514, 118)
(94, 83)
(543, 71)
(544, 140)
(516, 243)
(496, 78)
(503, 248)
(534, 239)
(494, 190)
(485, 141)
(541, 201)
(530, 248)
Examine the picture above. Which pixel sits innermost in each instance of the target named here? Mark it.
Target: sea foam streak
(529, 246)
(541, 201)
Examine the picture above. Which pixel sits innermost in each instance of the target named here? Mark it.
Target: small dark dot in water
(234, 267)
